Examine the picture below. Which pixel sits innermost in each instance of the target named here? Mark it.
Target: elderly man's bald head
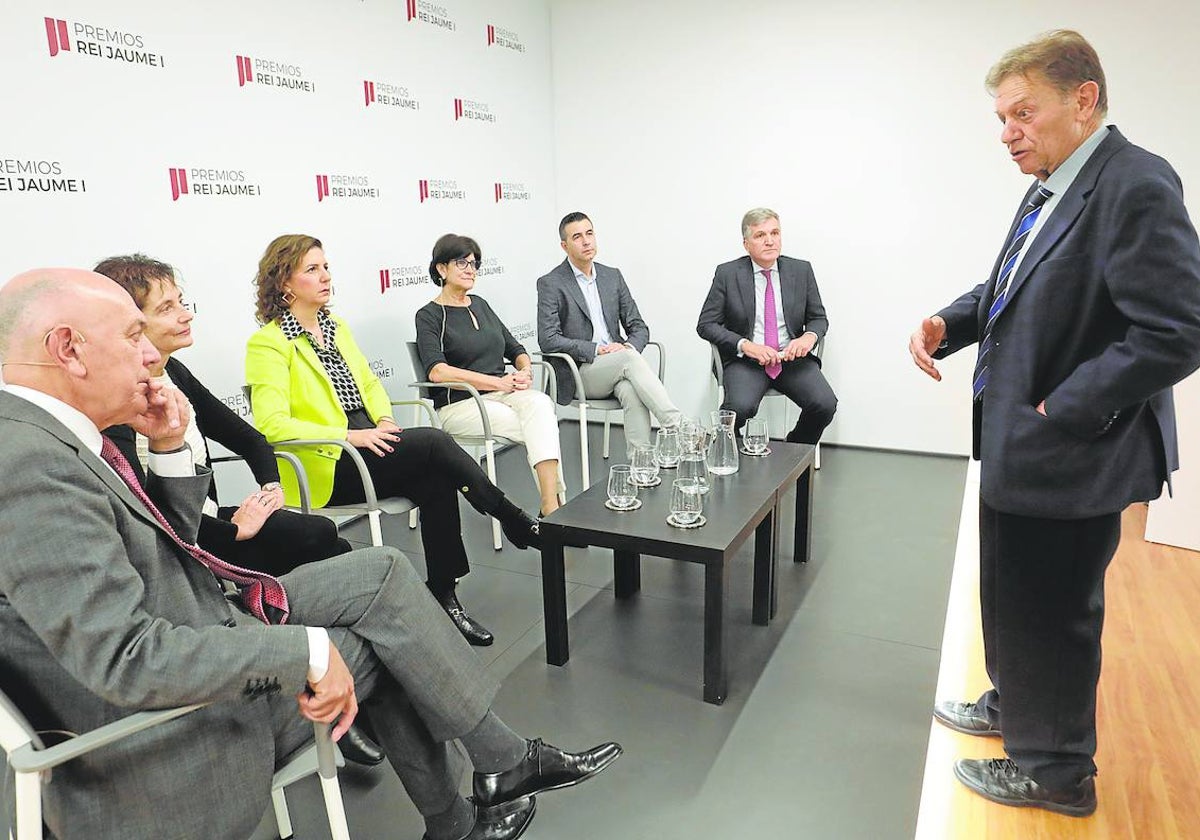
(76, 336)
(35, 301)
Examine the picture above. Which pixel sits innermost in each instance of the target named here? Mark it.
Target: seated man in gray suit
(765, 316)
(586, 311)
(107, 606)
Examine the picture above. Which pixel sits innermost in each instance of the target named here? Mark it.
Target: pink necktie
(259, 591)
(770, 325)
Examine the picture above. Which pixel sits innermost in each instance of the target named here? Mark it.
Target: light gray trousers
(626, 376)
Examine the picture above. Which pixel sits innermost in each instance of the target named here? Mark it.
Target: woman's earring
(287, 297)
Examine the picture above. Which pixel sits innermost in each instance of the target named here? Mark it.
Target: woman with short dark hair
(460, 338)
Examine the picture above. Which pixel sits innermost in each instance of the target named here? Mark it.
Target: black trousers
(1041, 590)
(285, 541)
(427, 466)
(801, 381)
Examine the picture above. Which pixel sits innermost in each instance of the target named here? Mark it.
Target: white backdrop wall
(867, 127)
(107, 128)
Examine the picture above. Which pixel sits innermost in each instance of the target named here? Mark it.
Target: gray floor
(824, 731)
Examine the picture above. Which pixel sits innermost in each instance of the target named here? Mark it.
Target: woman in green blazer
(308, 379)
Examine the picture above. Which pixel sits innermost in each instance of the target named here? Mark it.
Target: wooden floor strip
(1149, 703)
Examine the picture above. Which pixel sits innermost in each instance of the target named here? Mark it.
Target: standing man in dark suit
(585, 310)
(765, 316)
(107, 606)
(1090, 315)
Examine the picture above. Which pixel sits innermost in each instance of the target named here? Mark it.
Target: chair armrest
(433, 418)
(351, 452)
(458, 385)
(574, 368)
(718, 367)
(26, 759)
(551, 376)
(662, 360)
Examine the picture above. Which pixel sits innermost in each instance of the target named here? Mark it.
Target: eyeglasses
(462, 264)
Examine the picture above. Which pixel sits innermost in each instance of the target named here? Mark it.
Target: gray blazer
(565, 326)
(101, 615)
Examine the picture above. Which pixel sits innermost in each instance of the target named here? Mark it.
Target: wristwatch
(271, 485)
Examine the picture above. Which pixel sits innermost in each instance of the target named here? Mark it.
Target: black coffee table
(736, 506)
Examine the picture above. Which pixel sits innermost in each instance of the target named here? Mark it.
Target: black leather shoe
(999, 780)
(544, 767)
(967, 718)
(502, 823)
(472, 630)
(356, 746)
(522, 530)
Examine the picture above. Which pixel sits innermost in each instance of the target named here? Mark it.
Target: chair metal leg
(489, 451)
(283, 820)
(28, 793)
(583, 446)
(607, 427)
(327, 770)
(376, 530)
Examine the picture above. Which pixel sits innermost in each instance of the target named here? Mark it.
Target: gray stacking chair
(488, 440)
(607, 405)
(31, 762)
(718, 372)
(372, 506)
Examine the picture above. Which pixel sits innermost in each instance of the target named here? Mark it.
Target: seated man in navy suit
(765, 316)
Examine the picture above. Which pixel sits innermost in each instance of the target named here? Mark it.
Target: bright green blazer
(291, 397)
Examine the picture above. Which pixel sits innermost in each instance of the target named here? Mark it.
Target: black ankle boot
(472, 630)
(521, 529)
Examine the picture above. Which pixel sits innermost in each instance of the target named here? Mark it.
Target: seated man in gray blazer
(107, 607)
(586, 311)
(765, 316)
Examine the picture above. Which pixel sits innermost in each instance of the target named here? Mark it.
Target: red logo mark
(179, 184)
(499, 192)
(385, 280)
(423, 188)
(458, 109)
(368, 93)
(491, 34)
(56, 36)
(245, 73)
(322, 187)
(412, 9)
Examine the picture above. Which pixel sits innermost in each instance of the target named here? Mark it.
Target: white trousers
(524, 416)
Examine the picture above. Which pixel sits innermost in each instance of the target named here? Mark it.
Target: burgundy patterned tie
(262, 594)
(771, 325)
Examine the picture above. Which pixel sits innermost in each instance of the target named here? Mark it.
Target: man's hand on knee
(331, 697)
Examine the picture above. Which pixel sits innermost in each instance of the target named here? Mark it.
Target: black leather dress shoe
(503, 823)
(522, 530)
(472, 630)
(543, 768)
(1000, 780)
(357, 747)
(967, 718)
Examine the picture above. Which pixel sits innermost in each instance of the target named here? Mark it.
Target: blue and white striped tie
(1020, 236)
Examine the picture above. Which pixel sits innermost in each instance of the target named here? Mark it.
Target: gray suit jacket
(565, 325)
(727, 315)
(101, 615)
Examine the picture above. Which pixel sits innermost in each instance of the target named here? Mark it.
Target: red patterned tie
(262, 594)
(770, 325)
